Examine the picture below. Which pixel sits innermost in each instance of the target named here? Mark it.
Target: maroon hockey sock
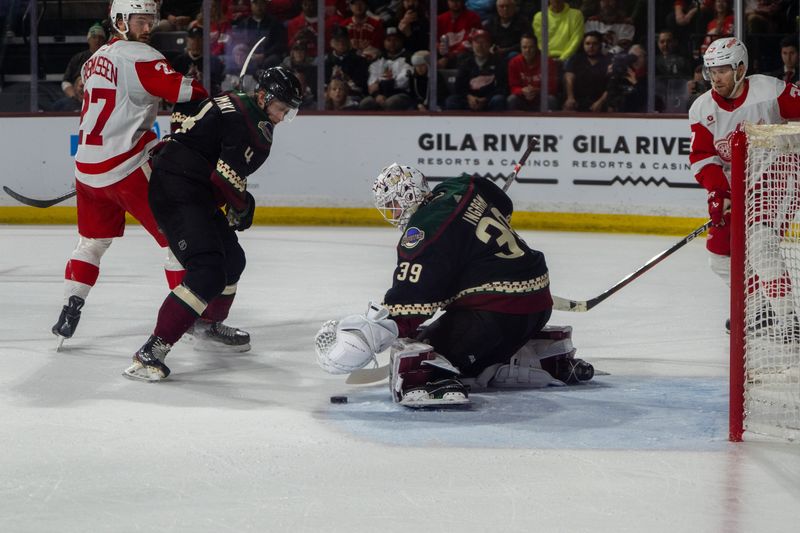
(174, 319)
(82, 272)
(218, 309)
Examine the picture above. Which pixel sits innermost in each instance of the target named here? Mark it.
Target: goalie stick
(364, 376)
(519, 164)
(33, 202)
(579, 306)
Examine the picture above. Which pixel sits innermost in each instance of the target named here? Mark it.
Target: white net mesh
(772, 279)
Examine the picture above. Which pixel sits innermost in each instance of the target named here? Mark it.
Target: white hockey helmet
(399, 190)
(726, 51)
(341, 351)
(125, 8)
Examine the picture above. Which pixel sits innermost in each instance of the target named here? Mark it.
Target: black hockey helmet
(281, 83)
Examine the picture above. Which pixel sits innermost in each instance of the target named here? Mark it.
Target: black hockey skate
(216, 336)
(572, 371)
(441, 393)
(68, 320)
(148, 362)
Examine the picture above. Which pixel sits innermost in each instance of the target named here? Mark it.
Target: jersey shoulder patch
(433, 217)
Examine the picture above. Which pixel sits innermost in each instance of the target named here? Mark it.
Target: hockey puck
(338, 399)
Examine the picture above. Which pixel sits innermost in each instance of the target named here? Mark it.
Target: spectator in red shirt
(304, 26)
(525, 81)
(455, 25)
(720, 26)
(364, 31)
(219, 30)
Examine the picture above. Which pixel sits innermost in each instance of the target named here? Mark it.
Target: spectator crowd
(377, 52)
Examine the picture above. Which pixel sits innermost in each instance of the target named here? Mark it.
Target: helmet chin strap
(121, 32)
(737, 83)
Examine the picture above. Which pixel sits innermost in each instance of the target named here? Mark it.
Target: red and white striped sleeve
(159, 79)
(705, 161)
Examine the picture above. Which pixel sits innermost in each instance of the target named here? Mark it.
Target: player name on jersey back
(102, 66)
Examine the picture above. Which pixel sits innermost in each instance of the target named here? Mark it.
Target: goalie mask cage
(765, 282)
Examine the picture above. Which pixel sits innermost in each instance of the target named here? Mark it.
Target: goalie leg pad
(524, 370)
(545, 360)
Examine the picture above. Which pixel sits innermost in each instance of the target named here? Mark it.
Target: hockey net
(765, 282)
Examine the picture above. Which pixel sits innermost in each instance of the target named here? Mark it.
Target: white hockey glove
(351, 343)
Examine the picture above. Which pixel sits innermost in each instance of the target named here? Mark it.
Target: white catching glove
(352, 342)
(378, 329)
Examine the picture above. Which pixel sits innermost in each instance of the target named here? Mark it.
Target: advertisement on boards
(582, 165)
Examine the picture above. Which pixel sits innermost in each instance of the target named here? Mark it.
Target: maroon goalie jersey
(459, 251)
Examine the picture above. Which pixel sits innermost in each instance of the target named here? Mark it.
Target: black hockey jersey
(459, 251)
(228, 139)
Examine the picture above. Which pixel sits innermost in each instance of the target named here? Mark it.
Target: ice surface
(250, 442)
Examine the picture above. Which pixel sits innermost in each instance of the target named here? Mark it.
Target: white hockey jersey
(765, 100)
(124, 82)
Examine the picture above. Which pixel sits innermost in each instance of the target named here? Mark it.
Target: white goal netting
(772, 281)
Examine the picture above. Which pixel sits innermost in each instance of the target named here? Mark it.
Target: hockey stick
(519, 164)
(578, 306)
(247, 61)
(33, 202)
(363, 376)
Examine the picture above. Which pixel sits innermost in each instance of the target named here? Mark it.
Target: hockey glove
(719, 207)
(241, 220)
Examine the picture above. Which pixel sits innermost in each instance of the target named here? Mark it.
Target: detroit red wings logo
(723, 146)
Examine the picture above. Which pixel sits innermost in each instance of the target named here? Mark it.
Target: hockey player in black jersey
(200, 168)
(458, 254)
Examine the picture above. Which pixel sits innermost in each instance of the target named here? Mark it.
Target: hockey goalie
(458, 255)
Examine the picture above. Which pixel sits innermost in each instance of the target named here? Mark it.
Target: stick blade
(33, 202)
(364, 376)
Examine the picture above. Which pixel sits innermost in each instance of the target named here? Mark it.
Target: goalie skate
(148, 362)
(67, 322)
(442, 393)
(215, 336)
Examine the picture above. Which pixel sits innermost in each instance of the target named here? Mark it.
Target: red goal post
(765, 282)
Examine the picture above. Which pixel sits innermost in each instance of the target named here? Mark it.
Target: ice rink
(250, 442)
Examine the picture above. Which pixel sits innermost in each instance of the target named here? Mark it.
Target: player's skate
(441, 393)
(572, 371)
(68, 320)
(420, 377)
(148, 362)
(215, 336)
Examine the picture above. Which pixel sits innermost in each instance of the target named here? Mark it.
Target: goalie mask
(728, 51)
(399, 190)
(123, 9)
